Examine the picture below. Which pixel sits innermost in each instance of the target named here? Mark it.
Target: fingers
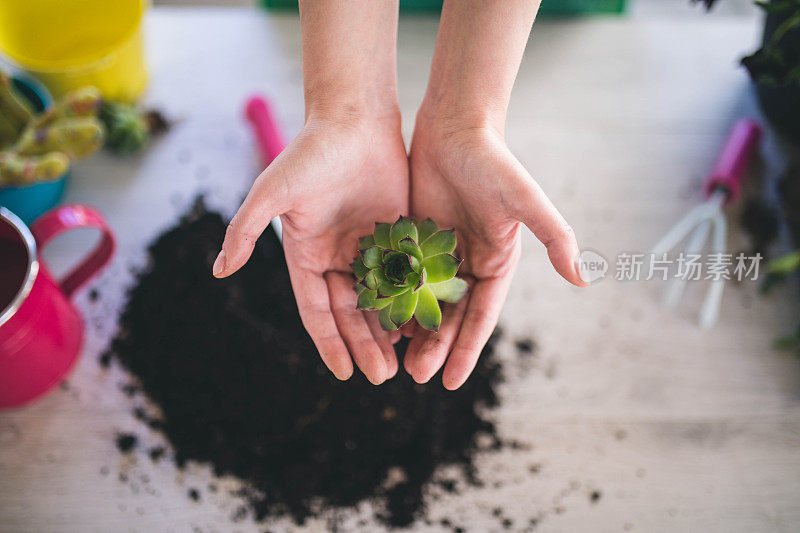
(427, 350)
(532, 207)
(354, 329)
(485, 302)
(409, 329)
(265, 201)
(385, 340)
(311, 293)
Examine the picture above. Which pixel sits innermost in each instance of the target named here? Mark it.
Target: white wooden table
(619, 119)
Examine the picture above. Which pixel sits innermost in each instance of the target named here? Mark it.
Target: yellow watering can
(71, 43)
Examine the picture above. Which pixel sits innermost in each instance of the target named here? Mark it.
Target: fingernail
(579, 271)
(219, 264)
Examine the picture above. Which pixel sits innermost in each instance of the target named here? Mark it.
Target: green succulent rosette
(405, 269)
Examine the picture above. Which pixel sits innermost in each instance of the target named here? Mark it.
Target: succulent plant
(404, 269)
(130, 128)
(38, 147)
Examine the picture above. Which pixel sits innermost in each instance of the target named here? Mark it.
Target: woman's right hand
(330, 185)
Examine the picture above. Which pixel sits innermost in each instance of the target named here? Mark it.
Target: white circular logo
(591, 266)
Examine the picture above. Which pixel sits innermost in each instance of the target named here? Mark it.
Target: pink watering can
(41, 331)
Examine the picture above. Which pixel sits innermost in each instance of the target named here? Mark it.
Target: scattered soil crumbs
(240, 386)
(525, 346)
(156, 453)
(126, 442)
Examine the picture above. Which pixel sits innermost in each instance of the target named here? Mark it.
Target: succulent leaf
(403, 307)
(451, 290)
(427, 228)
(408, 246)
(428, 313)
(387, 288)
(370, 279)
(368, 300)
(404, 269)
(404, 227)
(384, 317)
(397, 266)
(423, 279)
(365, 242)
(412, 281)
(441, 267)
(359, 268)
(441, 242)
(372, 256)
(381, 234)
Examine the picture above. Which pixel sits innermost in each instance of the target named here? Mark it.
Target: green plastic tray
(549, 7)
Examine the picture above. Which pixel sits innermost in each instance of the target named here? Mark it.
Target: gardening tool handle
(268, 135)
(731, 166)
(69, 217)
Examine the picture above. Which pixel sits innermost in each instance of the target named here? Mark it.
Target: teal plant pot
(31, 201)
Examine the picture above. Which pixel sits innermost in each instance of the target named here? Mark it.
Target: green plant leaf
(404, 227)
(427, 228)
(365, 242)
(381, 234)
(370, 279)
(408, 246)
(396, 266)
(412, 281)
(451, 290)
(787, 342)
(441, 267)
(403, 307)
(785, 264)
(372, 256)
(441, 242)
(359, 268)
(368, 300)
(387, 288)
(428, 313)
(384, 317)
(423, 279)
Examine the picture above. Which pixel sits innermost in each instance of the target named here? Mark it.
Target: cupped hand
(466, 178)
(329, 186)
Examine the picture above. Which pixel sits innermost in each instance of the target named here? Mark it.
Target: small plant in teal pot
(405, 269)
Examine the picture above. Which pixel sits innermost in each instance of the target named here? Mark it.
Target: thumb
(532, 207)
(265, 201)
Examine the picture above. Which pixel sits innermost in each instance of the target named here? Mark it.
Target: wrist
(447, 115)
(352, 106)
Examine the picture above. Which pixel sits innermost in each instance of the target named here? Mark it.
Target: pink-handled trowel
(268, 137)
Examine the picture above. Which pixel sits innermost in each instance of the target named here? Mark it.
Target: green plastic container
(549, 7)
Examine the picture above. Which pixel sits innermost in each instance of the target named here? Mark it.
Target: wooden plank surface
(676, 428)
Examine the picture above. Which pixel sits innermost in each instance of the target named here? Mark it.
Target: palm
(365, 180)
(451, 188)
(470, 180)
(330, 185)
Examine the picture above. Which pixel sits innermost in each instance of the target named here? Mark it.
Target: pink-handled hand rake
(720, 188)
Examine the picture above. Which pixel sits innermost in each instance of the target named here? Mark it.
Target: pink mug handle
(731, 166)
(268, 135)
(73, 216)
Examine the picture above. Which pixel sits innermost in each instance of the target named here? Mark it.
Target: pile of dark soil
(240, 386)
